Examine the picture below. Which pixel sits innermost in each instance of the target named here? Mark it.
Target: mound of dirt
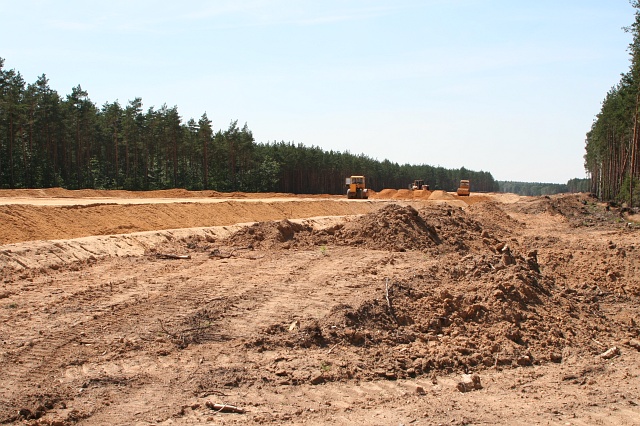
(441, 195)
(270, 235)
(457, 230)
(481, 304)
(403, 194)
(407, 194)
(580, 210)
(564, 205)
(422, 195)
(501, 313)
(494, 218)
(384, 194)
(392, 228)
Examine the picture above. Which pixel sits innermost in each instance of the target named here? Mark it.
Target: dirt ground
(410, 308)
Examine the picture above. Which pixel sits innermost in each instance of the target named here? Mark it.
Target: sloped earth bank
(372, 319)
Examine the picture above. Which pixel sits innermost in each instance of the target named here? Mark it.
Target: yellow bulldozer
(357, 188)
(418, 185)
(463, 189)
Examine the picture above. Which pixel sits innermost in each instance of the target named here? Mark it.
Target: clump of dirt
(394, 227)
(456, 229)
(271, 235)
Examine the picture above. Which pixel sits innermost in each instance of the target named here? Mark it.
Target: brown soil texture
(381, 314)
(27, 222)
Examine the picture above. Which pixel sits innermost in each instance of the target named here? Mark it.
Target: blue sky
(509, 87)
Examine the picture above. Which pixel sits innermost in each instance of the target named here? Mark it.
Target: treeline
(47, 140)
(611, 158)
(537, 188)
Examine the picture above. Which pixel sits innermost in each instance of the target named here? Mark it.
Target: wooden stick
(393, 315)
(225, 408)
(172, 256)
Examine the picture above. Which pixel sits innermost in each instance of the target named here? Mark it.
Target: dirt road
(322, 312)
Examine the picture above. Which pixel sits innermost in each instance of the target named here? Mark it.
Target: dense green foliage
(537, 188)
(611, 158)
(48, 140)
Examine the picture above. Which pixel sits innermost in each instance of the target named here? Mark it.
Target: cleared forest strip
(32, 223)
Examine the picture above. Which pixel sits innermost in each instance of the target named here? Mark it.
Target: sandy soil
(408, 308)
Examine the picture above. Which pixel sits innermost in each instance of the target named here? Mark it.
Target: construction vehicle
(356, 187)
(418, 185)
(464, 190)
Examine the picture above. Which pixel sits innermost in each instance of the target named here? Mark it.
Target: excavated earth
(409, 308)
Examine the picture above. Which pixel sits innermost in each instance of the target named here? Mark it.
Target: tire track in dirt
(293, 293)
(87, 324)
(196, 293)
(242, 319)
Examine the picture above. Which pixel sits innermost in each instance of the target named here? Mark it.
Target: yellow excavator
(463, 189)
(356, 187)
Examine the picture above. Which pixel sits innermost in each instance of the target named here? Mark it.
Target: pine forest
(47, 140)
(612, 159)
